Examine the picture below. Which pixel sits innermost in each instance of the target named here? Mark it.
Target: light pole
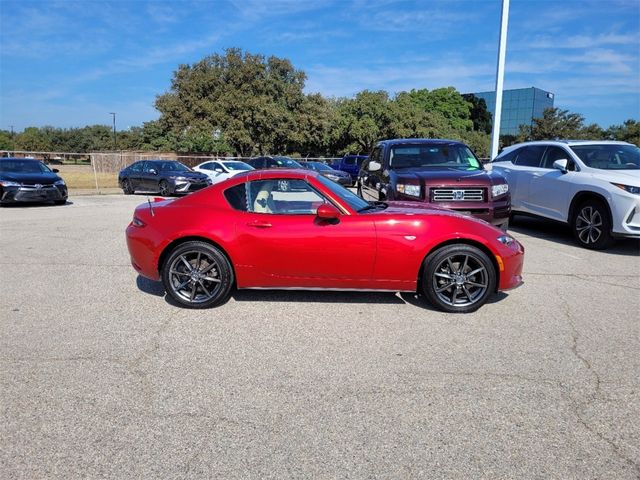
(502, 50)
(115, 137)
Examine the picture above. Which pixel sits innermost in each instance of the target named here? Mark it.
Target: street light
(115, 137)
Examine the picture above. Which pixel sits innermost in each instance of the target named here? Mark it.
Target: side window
(283, 197)
(237, 197)
(508, 157)
(552, 154)
(530, 156)
(137, 167)
(208, 166)
(148, 166)
(217, 167)
(350, 161)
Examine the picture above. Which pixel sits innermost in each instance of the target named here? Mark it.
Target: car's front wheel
(197, 275)
(592, 225)
(458, 278)
(164, 189)
(127, 189)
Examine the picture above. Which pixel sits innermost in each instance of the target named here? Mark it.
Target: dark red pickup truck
(444, 173)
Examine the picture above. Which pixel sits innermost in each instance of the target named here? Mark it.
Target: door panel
(302, 250)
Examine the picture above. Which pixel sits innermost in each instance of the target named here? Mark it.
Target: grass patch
(81, 177)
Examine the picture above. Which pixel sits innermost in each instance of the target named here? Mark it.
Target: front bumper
(190, 186)
(625, 209)
(510, 263)
(495, 212)
(27, 193)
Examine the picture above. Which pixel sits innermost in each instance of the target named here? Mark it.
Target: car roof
(425, 141)
(566, 143)
(20, 158)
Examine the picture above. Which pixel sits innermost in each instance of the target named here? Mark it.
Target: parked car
(593, 186)
(337, 176)
(219, 170)
(273, 162)
(166, 177)
(350, 164)
(442, 173)
(290, 229)
(28, 180)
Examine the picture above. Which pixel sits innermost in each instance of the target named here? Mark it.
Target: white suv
(594, 186)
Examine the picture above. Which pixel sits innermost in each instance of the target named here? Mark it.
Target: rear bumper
(141, 252)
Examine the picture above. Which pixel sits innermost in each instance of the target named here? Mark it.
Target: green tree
(629, 131)
(6, 140)
(479, 114)
(33, 139)
(251, 99)
(554, 123)
(448, 102)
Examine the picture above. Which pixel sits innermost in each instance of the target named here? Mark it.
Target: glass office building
(519, 107)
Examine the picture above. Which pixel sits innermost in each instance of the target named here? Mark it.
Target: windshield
(237, 166)
(433, 156)
(23, 166)
(345, 195)
(320, 167)
(609, 157)
(286, 162)
(173, 167)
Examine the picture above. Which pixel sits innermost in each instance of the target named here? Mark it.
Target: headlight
(506, 240)
(628, 188)
(59, 182)
(497, 190)
(333, 177)
(7, 183)
(413, 190)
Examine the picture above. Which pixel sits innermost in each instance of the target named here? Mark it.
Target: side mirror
(326, 211)
(561, 165)
(374, 166)
(55, 170)
(153, 171)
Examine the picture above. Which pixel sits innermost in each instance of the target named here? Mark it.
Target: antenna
(150, 207)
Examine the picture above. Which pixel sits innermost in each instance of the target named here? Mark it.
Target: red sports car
(295, 229)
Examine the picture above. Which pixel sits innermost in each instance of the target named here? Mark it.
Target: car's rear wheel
(591, 225)
(197, 275)
(127, 189)
(458, 278)
(163, 188)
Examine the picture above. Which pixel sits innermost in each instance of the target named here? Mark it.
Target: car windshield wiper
(374, 206)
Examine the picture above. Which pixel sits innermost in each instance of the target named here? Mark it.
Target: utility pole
(13, 143)
(502, 50)
(115, 137)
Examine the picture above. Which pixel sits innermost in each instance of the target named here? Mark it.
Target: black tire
(458, 278)
(127, 188)
(164, 189)
(206, 283)
(591, 225)
(60, 202)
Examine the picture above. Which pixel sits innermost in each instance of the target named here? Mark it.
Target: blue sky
(70, 63)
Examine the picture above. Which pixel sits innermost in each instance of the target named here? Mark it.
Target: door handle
(259, 224)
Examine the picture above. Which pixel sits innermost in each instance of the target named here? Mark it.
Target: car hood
(625, 177)
(42, 178)
(451, 176)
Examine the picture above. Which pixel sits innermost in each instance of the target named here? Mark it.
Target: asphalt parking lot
(101, 377)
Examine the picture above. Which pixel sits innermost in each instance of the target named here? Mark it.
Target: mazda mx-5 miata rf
(295, 229)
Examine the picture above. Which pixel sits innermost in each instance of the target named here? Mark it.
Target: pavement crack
(579, 407)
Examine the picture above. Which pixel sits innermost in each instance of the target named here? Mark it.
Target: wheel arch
(457, 241)
(583, 196)
(193, 238)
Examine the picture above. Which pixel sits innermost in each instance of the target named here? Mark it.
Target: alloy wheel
(460, 280)
(589, 225)
(164, 188)
(194, 276)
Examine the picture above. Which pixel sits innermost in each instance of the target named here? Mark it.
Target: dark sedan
(166, 177)
(325, 170)
(28, 180)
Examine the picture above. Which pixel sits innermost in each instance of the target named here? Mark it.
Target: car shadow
(311, 296)
(561, 233)
(35, 204)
